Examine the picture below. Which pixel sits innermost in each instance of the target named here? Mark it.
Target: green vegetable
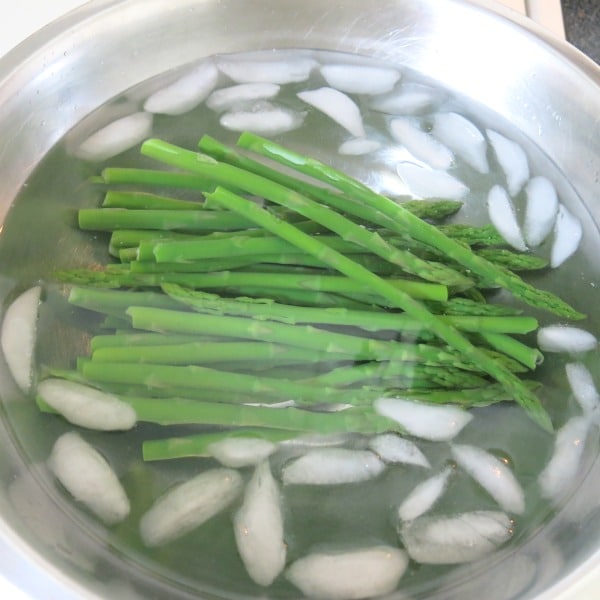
(407, 224)
(300, 336)
(281, 341)
(387, 373)
(182, 411)
(221, 382)
(528, 400)
(239, 280)
(265, 309)
(146, 201)
(424, 209)
(228, 175)
(108, 219)
(203, 352)
(155, 178)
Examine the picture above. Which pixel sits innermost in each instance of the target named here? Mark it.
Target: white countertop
(24, 17)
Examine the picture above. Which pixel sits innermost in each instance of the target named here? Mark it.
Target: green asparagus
(407, 224)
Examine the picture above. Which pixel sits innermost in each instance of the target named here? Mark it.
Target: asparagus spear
(211, 265)
(483, 396)
(129, 340)
(424, 209)
(270, 249)
(254, 184)
(265, 309)
(182, 411)
(146, 201)
(432, 210)
(237, 280)
(222, 382)
(466, 306)
(513, 260)
(406, 223)
(128, 238)
(530, 357)
(142, 390)
(263, 263)
(383, 374)
(202, 352)
(301, 336)
(449, 334)
(484, 235)
(108, 219)
(198, 249)
(293, 420)
(116, 303)
(307, 298)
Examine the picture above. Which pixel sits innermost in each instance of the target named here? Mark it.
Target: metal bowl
(545, 88)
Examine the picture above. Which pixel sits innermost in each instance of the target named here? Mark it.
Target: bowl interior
(102, 61)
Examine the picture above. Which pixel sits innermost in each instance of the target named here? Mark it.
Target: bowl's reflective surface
(50, 83)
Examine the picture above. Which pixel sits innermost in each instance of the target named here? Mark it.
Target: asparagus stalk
(200, 249)
(263, 263)
(108, 219)
(116, 303)
(221, 382)
(300, 336)
(407, 224)
(201, 352)
(308, 298)
(384, 374)
(513, 260)
(469, 398)
(146, 201)
(530, 357)
(227, 241)
(449, 334)
(182, 411)
(142, 390)
(424, 209)
(432, 210)
(288, 422)
(466, 306)
(238, 280)
(212, 265)
(270, 249)
(199, 445)
(397, 375)
(265, 309)
(484, 235)
(130, 340)
(129, 238)
(254, 184)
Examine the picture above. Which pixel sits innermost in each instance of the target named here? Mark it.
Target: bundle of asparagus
(322, 293)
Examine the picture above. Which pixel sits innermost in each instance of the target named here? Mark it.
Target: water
(40, 236)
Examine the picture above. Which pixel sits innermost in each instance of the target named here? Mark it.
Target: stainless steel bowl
(545, 88)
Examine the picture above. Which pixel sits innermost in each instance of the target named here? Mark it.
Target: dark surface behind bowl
(582, 25)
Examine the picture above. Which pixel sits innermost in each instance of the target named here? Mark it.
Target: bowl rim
(38, 43)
